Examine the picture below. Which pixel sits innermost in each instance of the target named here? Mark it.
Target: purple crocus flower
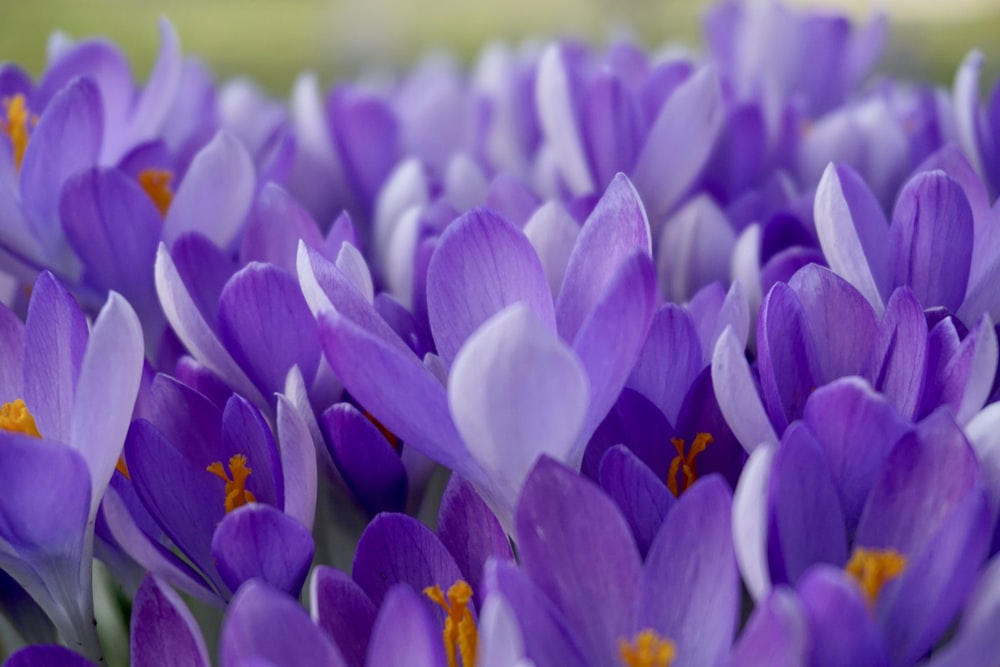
(584, 597)
(906, 516)
(556, 369)
(214, 484)
(67, 395)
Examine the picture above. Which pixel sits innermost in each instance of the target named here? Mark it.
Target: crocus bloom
(502, 344)
(67, 396)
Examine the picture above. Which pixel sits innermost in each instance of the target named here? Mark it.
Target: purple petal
(194, 331)
(47, 656)
(577, 547)
(516, 392)
(806, 524)
(265, 323)
(114, 229)
(258, 541)
(394, 386)
(690, 587)
(976, 636)
(344, 611)
(405, 633)
(695, 249)
(613, 233)
(55, 341)
(216, 194)
(154, 103)
(246, 433)
(680, 141)
(470, 531)
(787, 356)
(611, 126)
(931, 240)
(66, 141)
(553, 233)
(737, 393)
(12, 360)
(713, 310)
(672, 343)
(841, 416)
(267, 626)
(829, 301)
(106, 391)
(367, 135)
(775, 636)
(547, 640)
(966, 380)
(611, 338)
(841, 628)
(276, 223)
(927, 474)
(163, 633)
(396, 548)
(900, 352)
(853, 232)
(482, 264)
(370, 465)
(643, 499)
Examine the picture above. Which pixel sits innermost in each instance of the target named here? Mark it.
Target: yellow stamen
(15, 418)
(647, 649)
(874, 568)
(460, 633)
(156, 183)
(237, 494)
(686, 463)
(16, 125)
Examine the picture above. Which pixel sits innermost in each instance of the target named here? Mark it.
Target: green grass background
(273, 40)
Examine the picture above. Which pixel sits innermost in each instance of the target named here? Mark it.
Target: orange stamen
(16, 125)
(15, 418)
(394, 440)
(156, 183)
(460, 633)
(686, 463)
(874, 568)
(237, 495)
(647, 649)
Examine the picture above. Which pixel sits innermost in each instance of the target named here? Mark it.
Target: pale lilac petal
(216, 194)
(553, 233)
(968, 114)
(516, 392)
(680, 141)
(298, 463)
(750, 520)
(695, 248)
(500, 641)
(853, 232)
(55, 340)
(737, 394)
(106, 390)
(555, 98)
(615, 230)
(776, 635)
(405, 633)
(931, 240)
(266, 626)
(970, 373)
(12, 359)
(163, 632)
(352, 264)
(983, 432)
(482, 264)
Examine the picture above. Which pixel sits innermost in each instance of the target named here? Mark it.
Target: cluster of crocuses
(705, 342)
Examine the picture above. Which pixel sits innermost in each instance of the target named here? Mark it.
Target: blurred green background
(272, 40)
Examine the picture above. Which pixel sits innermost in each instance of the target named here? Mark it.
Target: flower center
(16, 125)
(156, 183)
(685, 463)
(15, 418)
(874, 568)
(647, 649)
(237, 494)
(460, 633)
